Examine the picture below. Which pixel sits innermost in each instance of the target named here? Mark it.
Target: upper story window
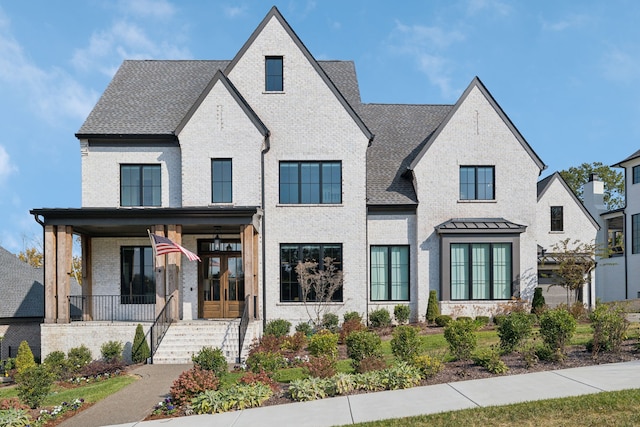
(221, 188)
(140, 185)
(310, 182)
(273, 76)
(635, 234)
(636, 174)
(557, 218)
(477, 182)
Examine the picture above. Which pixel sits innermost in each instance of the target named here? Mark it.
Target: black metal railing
(112, 308)
(160, 326)
(242, 327)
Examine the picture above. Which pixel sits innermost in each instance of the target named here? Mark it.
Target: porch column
(87, 278)
(65, 240)
(174, 261)
(161, 292)
(50, 288)
(249, 240)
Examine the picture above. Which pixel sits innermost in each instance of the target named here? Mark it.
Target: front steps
(187, 337)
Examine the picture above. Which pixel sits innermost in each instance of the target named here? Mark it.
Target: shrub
(140, 351)
(401, 313)
(351, 315)
(433, 310)
(265, 361)
(400, 376)
(12, 403)
(111, 350)
(56, 363)
(513, 329)
(443, 320)
(13, 417)
(370, 363)
(609, 326)
(259, 377)
(191, 383)
(380, 318)
(350, 326)
(498, 318)
(99, 368)
(343, 383)
(78, 357)
(324, 343)
(211, 359)
(538, 304)
(578, 311)
(406, 343)
(464, 318)
(295, 343)
(460, 334)
(269, 343)
(429, 366)
(330, 322)
(556, 328)
(310, 389)
(236, 397)
(362, 344)
(277, 328)
(24, 358)
(305, 328)
(321, 366)
(482, 321)
(490, 360)
(34, 384)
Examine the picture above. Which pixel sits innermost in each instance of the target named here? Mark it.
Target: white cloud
(499, 7)
(573, 21)
(6, 167)
(234, 11)
(159, 9)
(621, 66)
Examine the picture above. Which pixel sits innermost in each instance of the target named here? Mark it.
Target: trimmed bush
(330, 322)
(34, 384)
(433, 310)
(295, 343)
(514, 329)
(401, 313)
(490, 360)
(266, 361)
(324, 343)
(140, 351)
(211, 359)
(482, 321)
(362, 344)
(350, 315)
(406, 344)
(460, 334)
(321, 366)
(277, 328)
(191, 383)
(380, 318)
(371, 363)
(24, 358)
(78, 358)
(100, 368)
(260, 377)
(609, 326)
(429, 366)
(443, 320)
(305, 328)
(56, 363)
(557, 328)
(538, 304)
(111, 351)
(350, 326)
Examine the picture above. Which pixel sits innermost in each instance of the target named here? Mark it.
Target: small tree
(538, 303)
(318, 287)
(140, 351)
(24, 358)
(574, 262)
(433, 310)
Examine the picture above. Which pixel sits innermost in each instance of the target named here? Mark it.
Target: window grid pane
(635, 234)
(477, 183)
(140, 185)
(273, 74)
(501, 270)
(480, 271)
(557, 223)
(310, 182)
(221, 186)
(483, 270)
(291, 254)
(459, 271)
(379, 273)
(400, 273)
(636, 174)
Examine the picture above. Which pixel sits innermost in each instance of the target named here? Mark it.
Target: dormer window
(273, 79)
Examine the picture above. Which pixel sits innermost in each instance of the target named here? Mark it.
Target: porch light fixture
(216, 243)
(228, 248)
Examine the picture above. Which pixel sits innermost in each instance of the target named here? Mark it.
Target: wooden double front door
(221, 286)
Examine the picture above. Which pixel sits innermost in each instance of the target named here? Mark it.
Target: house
(268, 159)
(618, 266)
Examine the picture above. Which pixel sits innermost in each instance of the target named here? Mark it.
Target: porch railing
(160, 326)
(112, 308)
(244, 324)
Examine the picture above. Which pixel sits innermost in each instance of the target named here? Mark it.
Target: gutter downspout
(626, 251)
(267, 147)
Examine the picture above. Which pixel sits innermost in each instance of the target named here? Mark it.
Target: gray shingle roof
(400, 133)
(631, 157)
(21, 287)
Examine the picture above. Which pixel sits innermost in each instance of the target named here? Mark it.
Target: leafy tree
(317, 287)
(574, 262)
(613, 181)
(32, 256)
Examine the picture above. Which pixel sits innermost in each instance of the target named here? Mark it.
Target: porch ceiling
(134, 222)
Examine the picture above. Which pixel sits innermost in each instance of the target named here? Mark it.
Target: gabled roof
(401, 131)
(631, 157)
(219, 77)
(21, 287)
(479, 225)
(545, 183)
(275, 13)
(476, 83)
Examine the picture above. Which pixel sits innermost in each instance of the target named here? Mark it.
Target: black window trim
(475, 173)
(557, 222)
(219, 159)
(389, 272)
(149, 298)
(140, 167)
(321, 195)
(635, 234)
(268, 58)
(635, 175)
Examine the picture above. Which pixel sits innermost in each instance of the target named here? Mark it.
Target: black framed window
(390, 273)
(477, 182)
(137, 277)
(291, 254)
(481, 271)
(310, 182)
(635, 234)
(636, 174)
(221, 181)
(140, 185)
(557, 218)
(273, 77)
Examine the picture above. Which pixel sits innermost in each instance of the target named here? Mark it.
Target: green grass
(617, 408)
(91, 392)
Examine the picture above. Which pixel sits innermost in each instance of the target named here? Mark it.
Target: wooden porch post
(63, 262)
(174, 261)
(161, 291)
(249, 240)
(87, 278)
(50, 287)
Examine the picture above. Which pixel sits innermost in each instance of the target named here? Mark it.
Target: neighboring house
(270, 159)
(562, 217)
(618, 272)
(22, 308)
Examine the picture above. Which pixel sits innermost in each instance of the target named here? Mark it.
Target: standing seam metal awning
(479, 225)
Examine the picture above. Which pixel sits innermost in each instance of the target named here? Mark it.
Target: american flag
(163, 246)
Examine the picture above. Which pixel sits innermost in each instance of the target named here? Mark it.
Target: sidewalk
(419, 400)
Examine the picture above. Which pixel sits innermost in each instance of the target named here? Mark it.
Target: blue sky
(566, 73)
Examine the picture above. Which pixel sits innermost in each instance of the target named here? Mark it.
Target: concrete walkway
(134, 402)
(403, 403)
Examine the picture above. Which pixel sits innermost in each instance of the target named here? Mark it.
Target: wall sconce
(216, 243)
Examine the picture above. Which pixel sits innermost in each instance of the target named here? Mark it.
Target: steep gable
(545, 184)
(21, 287)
